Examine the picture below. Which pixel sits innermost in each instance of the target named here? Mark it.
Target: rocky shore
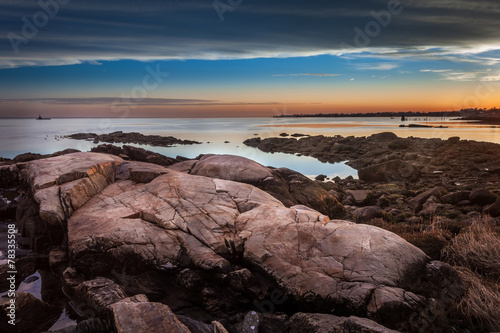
(145, 243)
(132, 137)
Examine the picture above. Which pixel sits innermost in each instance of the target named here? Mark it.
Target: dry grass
(480, 306)
(426, 236)
(477, 248)
(474, 251)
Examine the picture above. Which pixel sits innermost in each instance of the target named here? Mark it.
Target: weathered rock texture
(127, 219)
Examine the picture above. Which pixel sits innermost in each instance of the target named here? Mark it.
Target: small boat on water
(40, 118)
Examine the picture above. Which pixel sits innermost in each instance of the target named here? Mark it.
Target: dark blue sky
(246, 56)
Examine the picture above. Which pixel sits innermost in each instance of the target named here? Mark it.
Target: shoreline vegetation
(128, 232)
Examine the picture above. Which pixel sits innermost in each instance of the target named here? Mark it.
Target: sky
(245, 58)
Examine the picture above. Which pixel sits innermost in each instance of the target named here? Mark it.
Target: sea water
(226, 136)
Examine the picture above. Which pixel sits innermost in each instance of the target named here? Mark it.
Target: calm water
(30, 135)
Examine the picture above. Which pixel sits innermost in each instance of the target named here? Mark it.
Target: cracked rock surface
(131, 218)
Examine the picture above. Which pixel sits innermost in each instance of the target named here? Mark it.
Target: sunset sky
(145, 58)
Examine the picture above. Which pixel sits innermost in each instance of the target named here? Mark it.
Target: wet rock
(395, 170)
(482, 197)
(325, 323)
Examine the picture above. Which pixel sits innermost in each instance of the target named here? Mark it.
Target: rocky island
(220, 243)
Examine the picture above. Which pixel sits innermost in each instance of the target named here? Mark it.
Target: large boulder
(181, 220)
(394, 170)
(482, 197)
(231, 167)
(286, 185)
(63, 184)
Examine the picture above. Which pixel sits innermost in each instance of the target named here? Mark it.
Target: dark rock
(31, 314)
(99, 294)
(273, 323)
(383, 201)
(321, 178)
(455, 197)
(251, 323)
(366, 214)
(58, 261)
(132, 317)
(395, 170)
(384, 136)
(132, 137)
(196, 326)
(26, 157)
(325, 323)
(191, 280)
(92, 325)
(284, 134)
(493, 209)
(392, 307)
(417, 202)
(399, 144)
(482, 197)
(9, 176)
(359, 196)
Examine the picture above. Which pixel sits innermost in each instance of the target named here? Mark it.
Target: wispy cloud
(308, 74)
(117, 101)
(383, 66)
(435, 70)
(168, 29)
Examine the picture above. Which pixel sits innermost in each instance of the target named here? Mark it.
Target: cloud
(308, 74)
(117, 102)
(435, 70)
(85, 31)
(376, 66)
